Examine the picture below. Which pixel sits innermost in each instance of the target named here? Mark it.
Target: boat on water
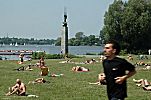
(16, 44)
(11, 44)
(16, 52)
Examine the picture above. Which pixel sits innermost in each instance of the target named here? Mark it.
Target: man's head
(111, 48)
(18, 81)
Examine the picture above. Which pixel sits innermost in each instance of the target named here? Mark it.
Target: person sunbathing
(38, 80)
(24, 68)
(147, 67)
(56, 75)
(29, 68)
(144, 83)
(140, 63)
(101, 80)
(19, 88)
(79, 68)
(130, 57)
(102, 58)
(90, 61)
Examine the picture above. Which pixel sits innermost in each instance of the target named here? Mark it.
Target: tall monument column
(64, 37)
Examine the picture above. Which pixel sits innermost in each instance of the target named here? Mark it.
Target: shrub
(37, 55)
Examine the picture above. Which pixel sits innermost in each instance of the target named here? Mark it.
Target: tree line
(22, 41)
(79, 40)
(82, 40)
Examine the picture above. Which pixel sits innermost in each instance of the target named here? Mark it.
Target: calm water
(76, 50)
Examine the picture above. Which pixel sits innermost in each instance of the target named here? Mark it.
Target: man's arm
(15, 86)
(120, 80)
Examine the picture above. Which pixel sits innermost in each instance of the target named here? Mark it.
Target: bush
(90, 53)
(123, 52)
(53, 56)
(37, 55)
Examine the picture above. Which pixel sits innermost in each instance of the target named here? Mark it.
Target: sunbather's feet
(30, 82)
(55, 75)
(7, 94)
(134, 80)
(138, 85)
(61, 74)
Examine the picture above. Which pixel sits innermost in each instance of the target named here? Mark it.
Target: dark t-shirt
(115, 68)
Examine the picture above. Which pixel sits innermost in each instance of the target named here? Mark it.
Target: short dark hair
(116, 46)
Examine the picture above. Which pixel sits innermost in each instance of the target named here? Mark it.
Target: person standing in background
(21, 56)
(149, 51)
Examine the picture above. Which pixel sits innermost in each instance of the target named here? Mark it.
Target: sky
(42, 19)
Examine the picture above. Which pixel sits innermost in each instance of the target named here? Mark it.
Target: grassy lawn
(71, 86)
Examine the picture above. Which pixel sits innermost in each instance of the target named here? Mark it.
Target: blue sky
(42, 19)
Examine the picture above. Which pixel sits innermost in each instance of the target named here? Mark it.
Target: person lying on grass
(90, 61)
(24, 68)
(147, 67)
(56, 75)
(79, 68)
(101, 79)
(19, 89)
(38, 80)
(144, 83)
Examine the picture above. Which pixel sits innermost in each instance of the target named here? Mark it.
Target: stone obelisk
(64, 37)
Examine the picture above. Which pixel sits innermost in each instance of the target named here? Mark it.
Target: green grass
(71, 86)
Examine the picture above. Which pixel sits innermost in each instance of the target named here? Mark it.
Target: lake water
(75, 50)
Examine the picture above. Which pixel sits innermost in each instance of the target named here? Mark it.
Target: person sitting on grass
(79, 68)
(19, 88)
(101, 79)
(44, 71)
(41, 62)
(144, 83)
(38, 80)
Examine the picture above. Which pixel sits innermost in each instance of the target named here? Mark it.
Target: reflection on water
(75, 50)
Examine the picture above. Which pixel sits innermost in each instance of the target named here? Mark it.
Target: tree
(112, 21)
(71, 41)
(136, 25)
(58, 41)
(92, 40)
(129, 23)
(79, 35)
